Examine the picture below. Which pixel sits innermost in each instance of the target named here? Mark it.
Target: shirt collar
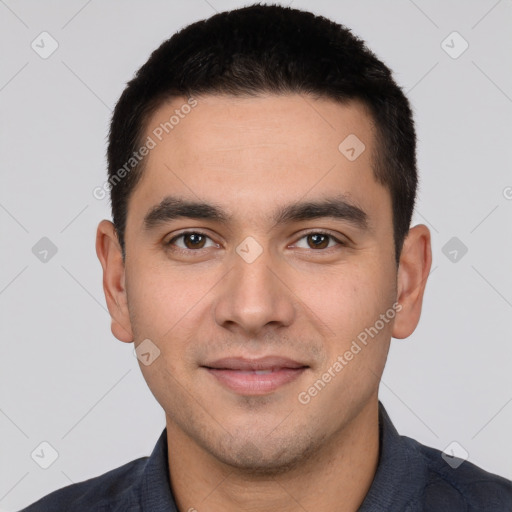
(156, 495)
(401, 472)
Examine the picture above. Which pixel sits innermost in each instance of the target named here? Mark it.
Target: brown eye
(318, 240)
(194, 240)
(189, 241)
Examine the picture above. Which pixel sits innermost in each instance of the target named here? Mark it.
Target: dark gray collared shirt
(410, 477)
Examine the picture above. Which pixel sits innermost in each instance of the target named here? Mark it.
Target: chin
(265, 458)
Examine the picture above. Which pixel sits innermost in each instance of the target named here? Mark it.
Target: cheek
(171, 309)
(361, 338)
(159, 311)
(150, 303)
(158, 299)
(352, 299)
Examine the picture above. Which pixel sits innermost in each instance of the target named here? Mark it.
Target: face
(285, 266)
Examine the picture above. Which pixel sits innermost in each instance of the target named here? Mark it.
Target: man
(263, 178)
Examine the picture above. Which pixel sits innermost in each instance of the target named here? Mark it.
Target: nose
(254, 296)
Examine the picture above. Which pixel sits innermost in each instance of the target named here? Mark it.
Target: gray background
(67, 381)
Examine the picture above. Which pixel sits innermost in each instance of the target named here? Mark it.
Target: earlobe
(413, 271)
(109, 253)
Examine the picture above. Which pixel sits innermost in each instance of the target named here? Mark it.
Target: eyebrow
(336, 207)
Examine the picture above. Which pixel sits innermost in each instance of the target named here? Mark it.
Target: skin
(228, 451)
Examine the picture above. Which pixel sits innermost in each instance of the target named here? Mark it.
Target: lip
(260, 363)
(243, 375)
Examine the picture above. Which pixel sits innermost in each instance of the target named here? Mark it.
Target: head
(284, 148)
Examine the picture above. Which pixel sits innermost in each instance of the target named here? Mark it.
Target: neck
(337, 477)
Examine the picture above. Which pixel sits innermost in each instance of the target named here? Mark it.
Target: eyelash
(188, 251)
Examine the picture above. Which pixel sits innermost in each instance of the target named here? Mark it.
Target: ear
(413, 270)
(109, 253)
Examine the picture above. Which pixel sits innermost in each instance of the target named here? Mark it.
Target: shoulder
(460, 487)
(117, 489)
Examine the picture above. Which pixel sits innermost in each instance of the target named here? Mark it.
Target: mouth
(255, 376)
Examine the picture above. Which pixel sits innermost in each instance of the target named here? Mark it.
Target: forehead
(296, 122)
(252, 152)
